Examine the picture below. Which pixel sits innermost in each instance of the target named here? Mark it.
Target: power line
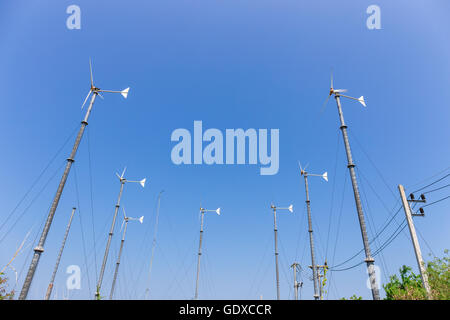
(429, 185)
(37, 179)
(448, 185)
(429, 204)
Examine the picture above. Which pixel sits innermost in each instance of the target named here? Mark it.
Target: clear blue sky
(231, 64)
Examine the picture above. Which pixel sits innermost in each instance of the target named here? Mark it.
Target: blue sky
(232, 64)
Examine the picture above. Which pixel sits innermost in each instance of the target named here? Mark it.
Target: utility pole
(275, 230)
(40, 247)
(58, 259)
(111, 230)
(296, 267)
(202, 212)
(415, 241)
(321, 284)
(351, 167)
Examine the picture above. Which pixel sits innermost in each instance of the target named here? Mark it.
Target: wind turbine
(111, 231)
(124, 222)
(277, 274)
(351, 167)
(305, 175)
(40, 247)
(202, 212)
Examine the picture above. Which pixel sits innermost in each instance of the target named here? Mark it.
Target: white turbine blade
(142, 182)
(331, 77)
(291, 208)
(123, 172)
(304, 169)
(325, 103)
(218, 211)
(90, 69)
(118, 176)
(89, 93)
(122, 225)
(124, 214)
(100, 96)
(325, 176)
(124, 92)
(361, 100)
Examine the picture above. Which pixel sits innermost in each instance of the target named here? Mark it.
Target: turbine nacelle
(123, 180)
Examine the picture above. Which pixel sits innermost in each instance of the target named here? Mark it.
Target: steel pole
(40, 247)
(415, 241)
(276, 252)
(58, 259)
(108, 244)
(199, 254)
(311, 240)
(351, 167)
(118, 261)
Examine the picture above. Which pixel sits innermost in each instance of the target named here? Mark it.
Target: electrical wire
(434, 182)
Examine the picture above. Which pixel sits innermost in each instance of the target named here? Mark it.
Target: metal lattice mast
(40, 247)
(111, 230)
(202, 212)
(116, 271)
(118, 261)
(108, 244)
(311, 239)
(351, 167)
(58, 259)
(275, 231)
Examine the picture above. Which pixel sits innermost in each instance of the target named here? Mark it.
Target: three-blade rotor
(97, 91)
(338, 92)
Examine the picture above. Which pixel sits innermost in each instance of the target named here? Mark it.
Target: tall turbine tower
(40, 247)
(111, 231)
(202, 212)
(125, 222)
(58, 259)
(351, 167)
(275, 230)
(305, 175)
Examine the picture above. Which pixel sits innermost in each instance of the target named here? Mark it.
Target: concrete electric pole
(415, 241)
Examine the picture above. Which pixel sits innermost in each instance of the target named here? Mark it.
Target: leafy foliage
(409, 285)
(3, 285)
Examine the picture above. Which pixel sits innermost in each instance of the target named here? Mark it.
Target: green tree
(409, 285)
(3, 285)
